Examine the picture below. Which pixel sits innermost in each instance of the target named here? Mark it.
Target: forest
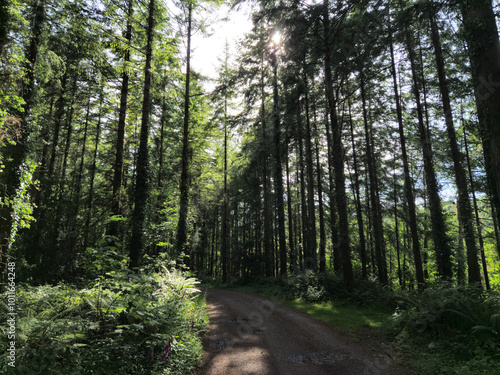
(348, 149)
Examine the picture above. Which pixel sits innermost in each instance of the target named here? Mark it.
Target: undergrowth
(450, 330)
(120, 323)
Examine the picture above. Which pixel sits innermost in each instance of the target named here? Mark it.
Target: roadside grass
(347, 318)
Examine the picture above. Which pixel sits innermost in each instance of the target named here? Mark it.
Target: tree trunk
(407, 178)
(359, 212)
(184, 184)
(478, 221)
(41, 171)
(278, 173)
(120, 135)
(79, 177)
(495, 226)
(465, 209)
(4, 23)
(378, 229)
(15, 155)
(331, 198)
(460, 254)
(291, 232)
(439, 230)
(396, 225)
(92, 175)
(481, 33)
(265, 188)
(426, 238)
(160, 198)
(311, 257)
(338, 157)
(298, 226)
(322, 234)
(303, 250)
(141, 191)
(369, 226)
(224, 240)
(67, 143)
(60, 104)
(213, 250)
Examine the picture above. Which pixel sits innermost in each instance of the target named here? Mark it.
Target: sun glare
(276, 37)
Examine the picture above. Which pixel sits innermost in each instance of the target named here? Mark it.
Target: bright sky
(207, 51)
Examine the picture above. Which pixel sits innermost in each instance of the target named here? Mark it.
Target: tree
(278, 170)
(4, 24)
(15, 153)
(184, 187)
(465, 209)
(408, 188)
(118, 164)
(141, 190)
(439, 231)
(357, 196)
(338, 154)
(378, 228)
(476, 210)
(481, 34)
(225, 198)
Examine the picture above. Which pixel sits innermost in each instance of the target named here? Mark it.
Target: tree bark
(141, 191)
(15, 155)
(120, 134)
(396, 225)
(338, 157)
(331, 198)
(4, 23)
(481, 33)
(278, 173)
(439, 230)
(378, 228)
(407, 178)
(497, 231)
(184, 184)
(303, 250)
(265, 189)
(291, 232)
(359, 212)
(478, 221)
(92, 175)
(321, 211)
(79, 177)
(225, 208)
(311, 256)
(465, 209)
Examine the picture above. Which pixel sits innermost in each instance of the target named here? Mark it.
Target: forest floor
(249, 334)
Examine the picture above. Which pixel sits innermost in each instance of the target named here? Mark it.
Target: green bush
(457, 328)
(311, 286)
(446, 309)
(123, 323)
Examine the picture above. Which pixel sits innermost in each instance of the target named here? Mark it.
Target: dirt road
(252, 335)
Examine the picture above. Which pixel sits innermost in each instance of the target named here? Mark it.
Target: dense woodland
(360, 137)
(357, 139)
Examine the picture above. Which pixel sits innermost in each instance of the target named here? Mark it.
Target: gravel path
(252, 335)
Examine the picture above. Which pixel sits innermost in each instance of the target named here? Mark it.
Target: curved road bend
(252, 335)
